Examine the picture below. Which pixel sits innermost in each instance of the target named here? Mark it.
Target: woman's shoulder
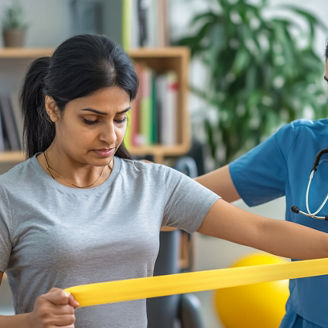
(17, 174)
(142, 166)
(148, 169)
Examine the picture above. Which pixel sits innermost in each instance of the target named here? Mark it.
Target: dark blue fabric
(281, 166)
(293, 320)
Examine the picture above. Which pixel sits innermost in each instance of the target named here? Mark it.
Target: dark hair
(79, 66)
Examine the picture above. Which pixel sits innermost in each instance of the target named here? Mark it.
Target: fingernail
(67, 293)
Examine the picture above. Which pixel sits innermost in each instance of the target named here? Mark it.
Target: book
(136, 139)
(9, 124)
(152, 23)
(143, 8)
(126, 23)
(168, 85)
(18, 115)
(3, 143)
(172, 106)
(153, 118)
(162, 24)
(145, 106)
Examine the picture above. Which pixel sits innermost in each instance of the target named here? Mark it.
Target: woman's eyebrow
(103, 113)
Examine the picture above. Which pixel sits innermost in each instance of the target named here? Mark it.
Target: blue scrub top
(280, 166)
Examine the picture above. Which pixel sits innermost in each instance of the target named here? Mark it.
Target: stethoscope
(295, 209)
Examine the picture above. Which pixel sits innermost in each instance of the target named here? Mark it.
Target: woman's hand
(54, 309)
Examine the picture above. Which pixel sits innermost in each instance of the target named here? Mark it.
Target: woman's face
(91, 128)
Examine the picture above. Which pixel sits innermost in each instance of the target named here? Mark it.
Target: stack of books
(153, 117)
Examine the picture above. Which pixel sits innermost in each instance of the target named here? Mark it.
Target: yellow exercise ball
(253, 306)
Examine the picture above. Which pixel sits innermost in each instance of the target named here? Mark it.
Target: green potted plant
(259, 74)
(14, 25)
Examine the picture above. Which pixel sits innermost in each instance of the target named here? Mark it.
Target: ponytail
(39, 131)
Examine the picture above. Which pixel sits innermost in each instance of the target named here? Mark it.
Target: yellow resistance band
(139, 288)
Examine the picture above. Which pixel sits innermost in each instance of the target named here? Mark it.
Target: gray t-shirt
(52, 235)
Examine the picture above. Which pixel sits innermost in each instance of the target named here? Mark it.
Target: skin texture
(225, 188)
(88, 133)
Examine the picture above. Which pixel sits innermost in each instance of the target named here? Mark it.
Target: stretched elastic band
(140, 288)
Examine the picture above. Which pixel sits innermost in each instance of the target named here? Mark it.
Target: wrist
(28, 320)
(23, 320)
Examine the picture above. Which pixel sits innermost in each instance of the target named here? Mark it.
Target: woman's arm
(220, 182)
(53, 309)
(278, 237)
(15, 321)
(18, 321)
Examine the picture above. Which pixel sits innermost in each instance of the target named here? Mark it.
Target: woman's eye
(121, 120)
(89, 122)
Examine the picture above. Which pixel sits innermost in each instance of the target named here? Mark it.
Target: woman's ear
(51, 108)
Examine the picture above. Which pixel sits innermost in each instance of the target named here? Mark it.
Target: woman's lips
(105, 152)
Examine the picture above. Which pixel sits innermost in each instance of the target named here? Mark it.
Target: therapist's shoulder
(301, 130)
(311, 127)
(303, 126)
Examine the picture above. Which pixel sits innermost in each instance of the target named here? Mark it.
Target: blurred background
(254, 66)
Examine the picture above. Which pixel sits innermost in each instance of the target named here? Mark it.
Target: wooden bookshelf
(11, 156)
(160, 60)
(13, 53)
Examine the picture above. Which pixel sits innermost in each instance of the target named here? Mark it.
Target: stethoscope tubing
(295, 209)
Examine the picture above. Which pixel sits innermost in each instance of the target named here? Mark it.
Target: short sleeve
(188, 202)
(5, 240)
(261, 174)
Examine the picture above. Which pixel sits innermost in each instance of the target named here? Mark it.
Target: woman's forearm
(55, 309)
(15, 321)
(275, 236)
(292, 240)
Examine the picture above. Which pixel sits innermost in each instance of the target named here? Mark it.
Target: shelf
(25, 52)
(158, 151)
(134, 53)
(158, 52)
(12, 156)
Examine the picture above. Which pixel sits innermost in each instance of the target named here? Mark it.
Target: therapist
(293, 162)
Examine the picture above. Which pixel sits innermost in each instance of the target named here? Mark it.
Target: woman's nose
(108, 134)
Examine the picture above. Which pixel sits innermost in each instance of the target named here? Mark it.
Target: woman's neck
(79, 176)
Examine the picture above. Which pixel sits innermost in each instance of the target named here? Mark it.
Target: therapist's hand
(54, 309)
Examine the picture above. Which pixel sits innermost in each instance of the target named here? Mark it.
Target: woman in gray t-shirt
(79, 210)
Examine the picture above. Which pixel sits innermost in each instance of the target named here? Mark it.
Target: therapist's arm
(278, 237)
(220, 182)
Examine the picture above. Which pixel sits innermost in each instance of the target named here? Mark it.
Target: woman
(281, 166)
(78, 211)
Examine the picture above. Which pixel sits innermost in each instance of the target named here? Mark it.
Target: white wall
(49, 21)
